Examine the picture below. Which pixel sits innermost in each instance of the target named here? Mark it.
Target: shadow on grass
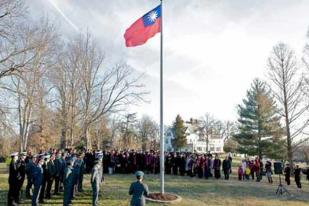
(3, 197)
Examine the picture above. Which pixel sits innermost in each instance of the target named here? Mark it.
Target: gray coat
(138, 190)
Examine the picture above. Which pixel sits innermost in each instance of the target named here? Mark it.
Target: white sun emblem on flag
(152, 16)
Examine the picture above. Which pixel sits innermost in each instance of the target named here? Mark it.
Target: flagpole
(161, 107)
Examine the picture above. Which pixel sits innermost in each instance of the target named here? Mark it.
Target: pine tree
(179, 130)
(260, 132)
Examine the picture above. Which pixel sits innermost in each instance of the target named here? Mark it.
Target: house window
(199, 149)
(212, 148)
(218, 149)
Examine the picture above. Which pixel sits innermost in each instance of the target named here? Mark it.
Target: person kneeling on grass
(138, 189)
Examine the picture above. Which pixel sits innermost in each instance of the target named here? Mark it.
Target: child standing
(247, 172)
(240, 173)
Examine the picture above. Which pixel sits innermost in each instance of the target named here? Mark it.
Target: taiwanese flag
(144, 28)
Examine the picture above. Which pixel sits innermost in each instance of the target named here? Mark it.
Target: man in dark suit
(13, 183)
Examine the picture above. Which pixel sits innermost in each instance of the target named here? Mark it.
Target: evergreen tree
(179, 130)
(260, 132)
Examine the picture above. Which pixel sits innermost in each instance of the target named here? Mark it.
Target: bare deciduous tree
(148, 132)
(26, 88)
(103, 90)
(287, 88)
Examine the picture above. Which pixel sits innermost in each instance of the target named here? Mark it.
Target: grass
(194, 191)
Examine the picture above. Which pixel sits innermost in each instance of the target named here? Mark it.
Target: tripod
(281, 189)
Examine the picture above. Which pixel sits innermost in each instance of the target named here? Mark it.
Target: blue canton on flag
(151, 17)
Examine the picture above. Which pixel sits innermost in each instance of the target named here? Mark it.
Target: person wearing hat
(58, 167)
(96, 178)
(68, 183)
(51, 168)
(30, 164)
(138, 190)
(21, 167)
(45, 178)
(37, 178)
(13, 176)
(79, 168)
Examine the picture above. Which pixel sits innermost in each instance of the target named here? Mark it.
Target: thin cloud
(63, 15)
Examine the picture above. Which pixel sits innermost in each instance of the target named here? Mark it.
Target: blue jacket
(37, 175)
(138, 190)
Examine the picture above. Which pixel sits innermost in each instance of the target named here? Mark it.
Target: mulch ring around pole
(167, 198)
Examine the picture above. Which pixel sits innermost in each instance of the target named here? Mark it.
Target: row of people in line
(64, 170)
(52, 168)
(200, 165)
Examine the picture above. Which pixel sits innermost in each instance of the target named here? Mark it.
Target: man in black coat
(21, 167)
(58, 167)
(226, 166)
(217, 166)
(297, 174)
(30, 164)
(287, 174)
(45, 179)
(13, 183)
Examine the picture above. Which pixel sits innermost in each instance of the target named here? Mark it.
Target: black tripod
(281, 189)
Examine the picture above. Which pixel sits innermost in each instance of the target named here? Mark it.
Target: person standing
(96, 178)
(45, 178)
(21, 167)
(257, 167)
(13, 185)
(297, 174)
(268, 171)
(252, 169)
(68, 183)
(30, 164)
(37, 177)
(51, 168)
(63, 166)
(138, 190)
(81, 174)
(78, 164)
(240, 173)
(58, 168)
(287, 174)
(217, 166)
(226, 166)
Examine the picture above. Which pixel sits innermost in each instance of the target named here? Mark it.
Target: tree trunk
(63, 138)
(287, 123)
(86, 137)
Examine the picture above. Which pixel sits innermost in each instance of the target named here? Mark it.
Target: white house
(194, 143)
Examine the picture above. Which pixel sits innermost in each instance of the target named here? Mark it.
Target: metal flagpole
(161, 107)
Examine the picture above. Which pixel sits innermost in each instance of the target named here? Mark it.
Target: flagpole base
(166, 198)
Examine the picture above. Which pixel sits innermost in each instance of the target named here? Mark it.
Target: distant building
(194, 142)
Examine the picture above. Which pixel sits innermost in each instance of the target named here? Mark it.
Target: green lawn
(195, 192)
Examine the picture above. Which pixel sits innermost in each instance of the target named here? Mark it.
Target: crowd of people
(193, 165)
(64, 170)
